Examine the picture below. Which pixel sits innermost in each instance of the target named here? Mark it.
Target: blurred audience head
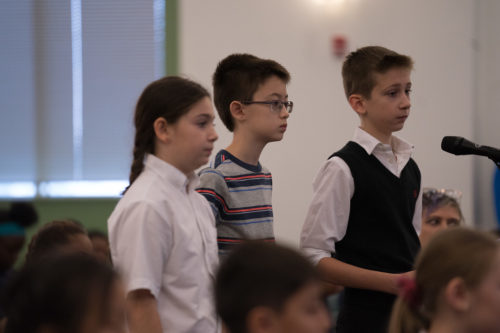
(100, 244)
(440, 210)
(69, 293)
(13, 222)
(264, 287)
(456, 286)
(64, 236)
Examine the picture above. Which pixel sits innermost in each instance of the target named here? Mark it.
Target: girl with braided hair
(162, 233)
(456, 286)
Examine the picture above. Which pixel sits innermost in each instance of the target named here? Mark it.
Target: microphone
(460, 146)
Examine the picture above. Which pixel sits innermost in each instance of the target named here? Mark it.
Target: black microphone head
(451, 144)
(458, 145)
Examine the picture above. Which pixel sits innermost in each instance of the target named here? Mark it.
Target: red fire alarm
(339, 46)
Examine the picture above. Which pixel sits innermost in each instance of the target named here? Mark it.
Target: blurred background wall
(441, 37)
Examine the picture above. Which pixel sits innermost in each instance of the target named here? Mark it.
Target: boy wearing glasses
(362, 226)
(252, 101)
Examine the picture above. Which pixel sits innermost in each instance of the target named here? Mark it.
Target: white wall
(297, 33)
(488, 112)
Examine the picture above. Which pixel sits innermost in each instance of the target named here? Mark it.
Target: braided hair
(170, 98)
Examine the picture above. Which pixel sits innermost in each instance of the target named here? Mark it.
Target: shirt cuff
(315, 255)
(137, 284)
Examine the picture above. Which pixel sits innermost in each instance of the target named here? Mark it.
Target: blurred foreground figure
(74, 293)
(268, 288)
(456, 286)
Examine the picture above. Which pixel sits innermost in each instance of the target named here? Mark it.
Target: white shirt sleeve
(326, 220)
(417, 215)
(141, 242)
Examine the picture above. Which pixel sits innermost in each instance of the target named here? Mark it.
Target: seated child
(252, 101)
(69, 293)
(455, 288)
(13, 222)
(56, 237)
(263, 287)
(440, 210)
(100, 244)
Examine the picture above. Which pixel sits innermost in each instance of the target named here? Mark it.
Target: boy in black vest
(362, 226)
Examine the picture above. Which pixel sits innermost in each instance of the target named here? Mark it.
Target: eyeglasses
(276, 105)
(435, 195)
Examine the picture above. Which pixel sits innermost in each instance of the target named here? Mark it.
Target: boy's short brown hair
(237, 78)
(359, 68)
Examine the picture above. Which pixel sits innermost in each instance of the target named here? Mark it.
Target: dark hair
(22, 213)
(12, 231)
(170, 98)
(57, 292)
(258, 274)
(360, 66)
(52, 236)
(237, 78)
(457, 252)
(97, 234)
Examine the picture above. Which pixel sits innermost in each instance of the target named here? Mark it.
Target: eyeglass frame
(271, 104)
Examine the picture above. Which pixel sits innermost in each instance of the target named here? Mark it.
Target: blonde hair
(458, 252)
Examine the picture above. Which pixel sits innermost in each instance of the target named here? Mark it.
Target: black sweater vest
(380, 235)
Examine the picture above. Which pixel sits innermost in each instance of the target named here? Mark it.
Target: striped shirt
(240, 196)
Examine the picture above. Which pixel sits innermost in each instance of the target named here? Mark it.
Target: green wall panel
(92, 213)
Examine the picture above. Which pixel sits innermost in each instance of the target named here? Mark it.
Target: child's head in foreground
(69, 293)
(377, 85)
(242, 82)
(456, 286)
(100, 244)
(264, 287)
(63, 236)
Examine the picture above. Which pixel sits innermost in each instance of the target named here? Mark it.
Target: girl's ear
(457, 295)
(357, 103)
(236, 109)
(162, 129)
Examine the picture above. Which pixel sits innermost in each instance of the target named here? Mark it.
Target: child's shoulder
(228, 171)
(229, 165)
(219, 167)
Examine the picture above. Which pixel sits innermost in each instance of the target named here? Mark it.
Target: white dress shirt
(163, 239)
(333, 187)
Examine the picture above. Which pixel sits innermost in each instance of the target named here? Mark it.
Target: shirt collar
(370, 143)
(170, 173)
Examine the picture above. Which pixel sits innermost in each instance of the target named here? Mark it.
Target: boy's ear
(457, 295)
(236, 108)
(357, 103)
(162, 129)
(261, 319)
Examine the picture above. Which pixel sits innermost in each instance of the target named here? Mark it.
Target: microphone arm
(460, 146)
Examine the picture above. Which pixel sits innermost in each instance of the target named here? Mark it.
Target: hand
(331, 288)
(398, 277)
